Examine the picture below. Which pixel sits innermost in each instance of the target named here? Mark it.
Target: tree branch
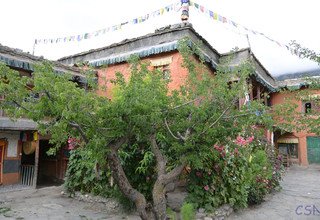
(173, 174)
(186, 103)
(117, 144)
(122, 180)
(160, 158)
(48, 95)
(168, 128)
(216, 121)
(78, 127)
(20, 106)
(236, 116)
(187, 132)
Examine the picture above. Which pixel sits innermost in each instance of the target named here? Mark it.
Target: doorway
(313, 146)
(52, 168)
(27, 163)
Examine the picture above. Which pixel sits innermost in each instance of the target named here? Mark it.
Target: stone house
(23, 157)
(160, 49)
(22, 150)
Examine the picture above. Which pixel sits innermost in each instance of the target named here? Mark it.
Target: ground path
(298, 199)
(49, 203)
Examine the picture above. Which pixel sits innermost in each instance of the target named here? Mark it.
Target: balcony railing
(26, 175)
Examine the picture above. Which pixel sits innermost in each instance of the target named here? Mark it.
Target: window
(307, 107)
(290, 149)
(311, 106)
(165, 71)
(163, 65)
(293, 150)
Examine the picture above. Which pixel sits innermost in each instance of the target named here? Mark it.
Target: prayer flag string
(79, 37)
(219, 18)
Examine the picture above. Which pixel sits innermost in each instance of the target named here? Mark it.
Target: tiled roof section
(298, 80)
(16, 58)
(159, 41)
(19, 124)
(262, 74)
(297, 75)
(165, 40)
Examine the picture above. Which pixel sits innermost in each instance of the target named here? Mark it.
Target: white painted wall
(12, 138)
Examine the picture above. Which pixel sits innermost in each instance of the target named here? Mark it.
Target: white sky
(22, 21)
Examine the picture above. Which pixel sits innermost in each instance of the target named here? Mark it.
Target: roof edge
(166, 29)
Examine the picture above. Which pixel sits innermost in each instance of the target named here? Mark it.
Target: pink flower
(72, 143)
(206, 187)
(236, 151)
(218, 148)
(198, 174)
(240, 141)
(250, 139)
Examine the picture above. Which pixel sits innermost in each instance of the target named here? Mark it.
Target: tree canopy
(169, 128)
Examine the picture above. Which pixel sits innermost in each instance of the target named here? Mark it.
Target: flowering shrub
(242, 141)
(221, 181)
(259, 175)
(238, 173)
(278, 169)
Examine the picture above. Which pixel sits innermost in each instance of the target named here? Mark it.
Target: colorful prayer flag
(211, 14)
(215, 16)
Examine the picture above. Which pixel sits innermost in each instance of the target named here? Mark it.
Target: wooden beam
(258, 92)
(36, 164)
(265, 99)
(251, 90)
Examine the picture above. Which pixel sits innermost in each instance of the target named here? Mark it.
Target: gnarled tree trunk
(124, 184)
(163, 178)
(158, 210)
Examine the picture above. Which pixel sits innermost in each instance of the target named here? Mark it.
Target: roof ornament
(185, 10)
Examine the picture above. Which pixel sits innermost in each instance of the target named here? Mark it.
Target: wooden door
(1, 160)
(313, 144)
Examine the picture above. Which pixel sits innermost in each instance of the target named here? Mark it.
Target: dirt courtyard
(49, 203)
(298, 199)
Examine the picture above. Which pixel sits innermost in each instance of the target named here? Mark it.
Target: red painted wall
(278, 98)
(178, 74)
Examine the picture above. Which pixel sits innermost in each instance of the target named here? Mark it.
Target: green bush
(259, 175)
(221, 181)
(171, 215)
(139, 167)
(188, 212)
(81, 175)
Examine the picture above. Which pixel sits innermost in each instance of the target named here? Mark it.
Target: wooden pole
(258, 92)
(36, 164)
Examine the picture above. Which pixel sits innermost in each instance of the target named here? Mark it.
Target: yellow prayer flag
(215, 16)
(35, 136)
